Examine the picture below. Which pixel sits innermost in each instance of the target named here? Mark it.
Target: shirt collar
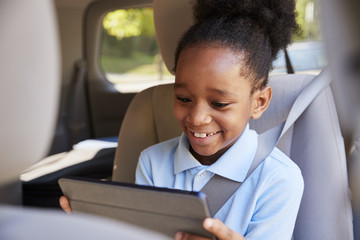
(233, 164)
(183, 159)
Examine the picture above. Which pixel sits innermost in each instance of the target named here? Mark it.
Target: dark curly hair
(257, 29)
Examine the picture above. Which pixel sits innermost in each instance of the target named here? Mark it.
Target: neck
(207, 160)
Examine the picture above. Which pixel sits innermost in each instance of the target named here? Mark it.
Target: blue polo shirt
(266, 204)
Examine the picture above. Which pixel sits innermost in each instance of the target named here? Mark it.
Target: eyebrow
(222, 92)
(179, 85)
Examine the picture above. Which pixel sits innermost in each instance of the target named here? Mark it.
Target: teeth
(202, 135)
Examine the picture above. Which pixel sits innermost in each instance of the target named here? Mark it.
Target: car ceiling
(73, 3)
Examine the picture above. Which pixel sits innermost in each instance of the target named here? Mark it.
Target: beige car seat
(314, 142)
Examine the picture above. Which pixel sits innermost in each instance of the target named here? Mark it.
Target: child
(222, 64)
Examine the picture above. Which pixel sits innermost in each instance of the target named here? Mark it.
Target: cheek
(235, 122)
(179, 112)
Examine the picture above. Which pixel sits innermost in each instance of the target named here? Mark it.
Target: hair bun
(205, 9)
(275, 17)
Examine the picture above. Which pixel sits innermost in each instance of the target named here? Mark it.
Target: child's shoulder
(279, 161)
(279, 173)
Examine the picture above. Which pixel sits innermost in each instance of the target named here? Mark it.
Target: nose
(199, 115)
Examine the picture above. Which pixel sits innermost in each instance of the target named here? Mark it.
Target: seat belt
(289, 68)
(266, 143)
(77, 103)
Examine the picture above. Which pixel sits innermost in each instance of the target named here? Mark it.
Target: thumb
(220, 230)
(65, 204)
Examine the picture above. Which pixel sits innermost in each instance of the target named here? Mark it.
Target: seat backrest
(314, 143)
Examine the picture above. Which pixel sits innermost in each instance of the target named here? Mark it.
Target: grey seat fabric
(314, 143)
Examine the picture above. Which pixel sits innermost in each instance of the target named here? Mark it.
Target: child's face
(213, 101)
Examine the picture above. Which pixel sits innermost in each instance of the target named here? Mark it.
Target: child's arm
(216, 227)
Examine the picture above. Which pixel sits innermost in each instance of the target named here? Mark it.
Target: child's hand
(216, 227)
(64, 204)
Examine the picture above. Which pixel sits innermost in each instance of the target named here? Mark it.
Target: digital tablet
(159, 209)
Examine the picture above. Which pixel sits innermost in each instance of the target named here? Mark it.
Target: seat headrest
(170, 29)
(30, 77)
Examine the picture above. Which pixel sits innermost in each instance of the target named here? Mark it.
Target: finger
(64, 204)
(220, 230)
(188, 236)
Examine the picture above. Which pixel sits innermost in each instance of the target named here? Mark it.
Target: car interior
(100, 130)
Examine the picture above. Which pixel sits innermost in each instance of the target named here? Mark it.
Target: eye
(183, 100)
(219, 105)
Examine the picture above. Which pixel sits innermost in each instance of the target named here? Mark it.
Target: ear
(261, 101)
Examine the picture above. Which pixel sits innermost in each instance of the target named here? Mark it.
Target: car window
(307, 53)
(130, 56)
(131, 60)
(305, 57)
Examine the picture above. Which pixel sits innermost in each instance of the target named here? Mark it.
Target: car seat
(30, 75)
(314, 142)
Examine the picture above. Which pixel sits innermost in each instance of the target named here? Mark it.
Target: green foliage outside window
(308, 20)
(128, 40)
(129, 23)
